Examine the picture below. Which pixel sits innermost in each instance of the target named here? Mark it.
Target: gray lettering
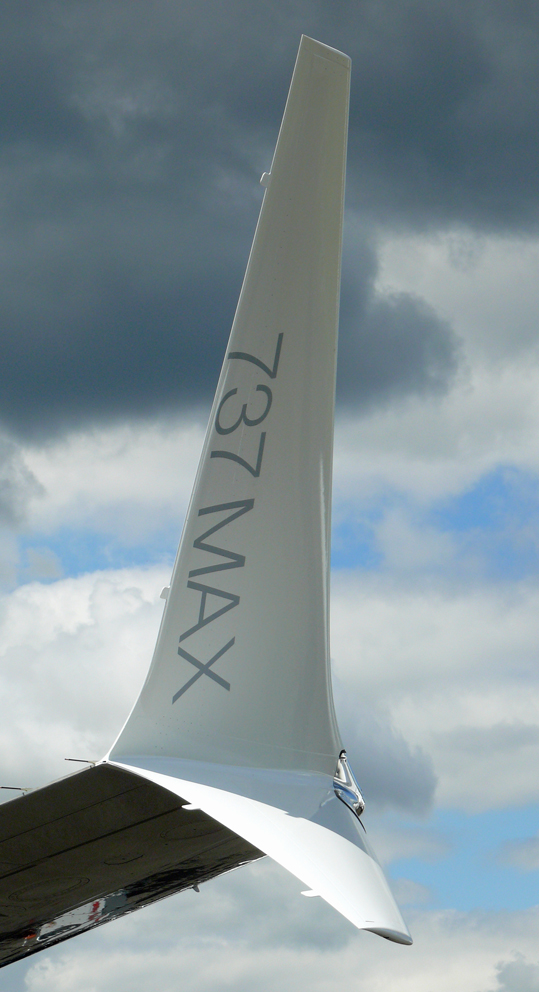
(241, 506)
(241, 461)
(204, 668)
(245, 357)
(202, 619)
(243, 418)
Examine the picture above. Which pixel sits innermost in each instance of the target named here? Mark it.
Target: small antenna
(82, 761)
(16, 788)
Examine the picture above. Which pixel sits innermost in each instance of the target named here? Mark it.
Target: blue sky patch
(78, 551)
(472, 874)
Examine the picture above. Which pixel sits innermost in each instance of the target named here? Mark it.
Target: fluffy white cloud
(431, 448)
(454, 672)
(251, 930)
(128, 480)
(73, 656)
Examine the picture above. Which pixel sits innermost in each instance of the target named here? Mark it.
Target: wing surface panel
(97, 845)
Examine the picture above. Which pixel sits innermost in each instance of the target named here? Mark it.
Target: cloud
(440, 663)
(485, 286)
(433, 447)
(389, 771)
(391, 344)
(100, 629)
(409, 893)
(395, 839)
(131, 151)
(433, 691)
(521, 854)
(17, 484)
(130, 173)
(453, 671)
(498, 737)
(43, 564)
(231, 935)
(443, 108)
(518, 975)
(61, 643)
(127, 481)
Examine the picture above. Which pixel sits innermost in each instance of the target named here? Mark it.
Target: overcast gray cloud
(17, 485)
(391, 345)
(390, 772)
(444, 111)
(130, 149)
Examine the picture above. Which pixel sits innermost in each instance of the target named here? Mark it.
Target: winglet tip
(324, 51)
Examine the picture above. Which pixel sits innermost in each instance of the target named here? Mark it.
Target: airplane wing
(94, 846)
(232, 748)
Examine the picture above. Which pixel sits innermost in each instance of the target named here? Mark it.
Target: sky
(132, 139)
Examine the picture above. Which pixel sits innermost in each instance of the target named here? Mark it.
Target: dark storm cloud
(131, 140)
(390, 346)
(444, 114)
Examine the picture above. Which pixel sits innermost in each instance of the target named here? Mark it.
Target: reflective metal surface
(97, 845)
(346, 787)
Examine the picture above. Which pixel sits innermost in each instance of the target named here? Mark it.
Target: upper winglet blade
(236, 714)
(241, 664)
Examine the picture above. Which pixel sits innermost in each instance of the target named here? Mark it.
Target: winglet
(236, 714)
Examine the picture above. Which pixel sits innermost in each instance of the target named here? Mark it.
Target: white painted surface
(278, 711)
(346, 875)
(236, 715)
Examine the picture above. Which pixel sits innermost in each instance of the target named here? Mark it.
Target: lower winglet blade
(296, 819)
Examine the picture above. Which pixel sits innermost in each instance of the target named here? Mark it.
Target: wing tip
(274, 814)
(324, 51)
(397, 936)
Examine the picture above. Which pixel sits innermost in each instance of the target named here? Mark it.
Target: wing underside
(95, 846)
